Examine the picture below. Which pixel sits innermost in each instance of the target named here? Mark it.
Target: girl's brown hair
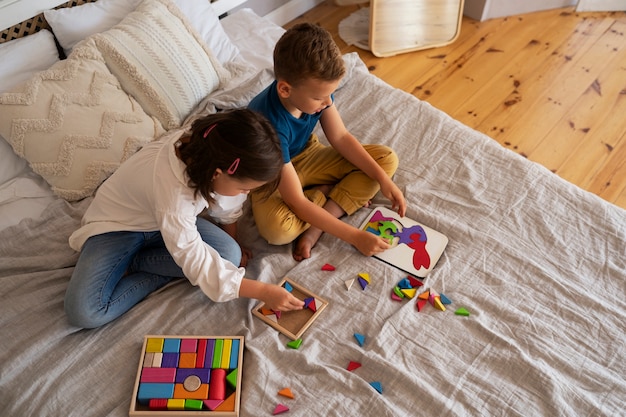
(242, 139)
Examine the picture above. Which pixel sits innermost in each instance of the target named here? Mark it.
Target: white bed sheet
(539, 263)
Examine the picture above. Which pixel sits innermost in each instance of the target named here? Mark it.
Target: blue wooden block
(377, 386)
(359, 338)
(171, 345)
(150, 390)
(444, 299)
(234, 354)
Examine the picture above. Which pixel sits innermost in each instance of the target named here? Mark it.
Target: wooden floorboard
(550, 86)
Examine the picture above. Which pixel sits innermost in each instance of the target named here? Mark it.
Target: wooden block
(353, 365)
(217, 387)
(438, 305)
(363, 283)
(414, 281)
(365, 276)
(409, 292)
(404, 283)
(349, 283)
(158, 375)
(150, 390)
(395, 297)
(359, 338)
(187, 360)
(192, 404)
(279, 409)
(212, 404)
(217, 353)
(189, 345)
(294, 344)
(231, 378)
(421, 304)
(234, 355)
(328, 267)
(286, 392)
(176, 404)
(202, 393)
(377, 386)
(225, 364)
(228, 404)
(462, 311)
(424, 295)
(155, 345)
(398, 292)
(202, 353)
(158, 404)
(171, 345)
(445, 300)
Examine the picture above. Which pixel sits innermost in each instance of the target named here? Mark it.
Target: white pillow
(73, 24)
(74, 123)
(19, 60)
(161, 61)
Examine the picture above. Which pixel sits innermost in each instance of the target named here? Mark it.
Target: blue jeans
(117, 270)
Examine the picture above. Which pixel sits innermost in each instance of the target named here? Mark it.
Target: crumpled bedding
(539, 263)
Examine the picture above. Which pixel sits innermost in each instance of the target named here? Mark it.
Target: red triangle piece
(353, 365)
(280, 408)
(328, 267)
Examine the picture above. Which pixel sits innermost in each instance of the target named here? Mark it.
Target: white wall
(280, 11)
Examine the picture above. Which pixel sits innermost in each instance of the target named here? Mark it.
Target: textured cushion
(73, 24)
(160, 60)
(19, 60)
(74, 124)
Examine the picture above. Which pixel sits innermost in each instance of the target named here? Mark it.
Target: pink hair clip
(233, 167)
(206, 132)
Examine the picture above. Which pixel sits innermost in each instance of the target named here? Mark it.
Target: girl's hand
(369, 244)
(278, 298)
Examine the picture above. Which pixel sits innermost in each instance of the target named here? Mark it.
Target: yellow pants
(319, 164)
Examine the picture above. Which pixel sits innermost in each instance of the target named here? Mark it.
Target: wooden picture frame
(293, 323)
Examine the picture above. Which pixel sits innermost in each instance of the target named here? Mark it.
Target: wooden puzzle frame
(139, 410)
(293, 323)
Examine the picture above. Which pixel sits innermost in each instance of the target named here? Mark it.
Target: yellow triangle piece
(286, 392)
(365, 276)
(409, 292)
(437, 304)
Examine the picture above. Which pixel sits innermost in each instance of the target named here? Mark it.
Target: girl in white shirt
(143, 228)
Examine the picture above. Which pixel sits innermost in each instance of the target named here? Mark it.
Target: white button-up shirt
(149, 192)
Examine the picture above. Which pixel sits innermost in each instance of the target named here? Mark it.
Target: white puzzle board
(415, 248)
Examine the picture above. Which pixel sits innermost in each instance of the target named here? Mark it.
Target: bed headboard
(21, 18)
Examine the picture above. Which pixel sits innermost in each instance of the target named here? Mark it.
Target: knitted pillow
(159, 58)
(74, 124)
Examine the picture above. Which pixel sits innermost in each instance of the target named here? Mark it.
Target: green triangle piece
(377, 386)
(232, 378)
(462, 312)
(294, 344)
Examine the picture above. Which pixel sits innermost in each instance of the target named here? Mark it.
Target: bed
(539, 264)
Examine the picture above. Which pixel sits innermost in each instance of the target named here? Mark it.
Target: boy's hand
(391, 191)
(279, 299)
(369, 244)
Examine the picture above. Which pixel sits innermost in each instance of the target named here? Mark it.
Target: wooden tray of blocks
(293, 323)
(183, 376)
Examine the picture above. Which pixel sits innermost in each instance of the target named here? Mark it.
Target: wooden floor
(550, 86)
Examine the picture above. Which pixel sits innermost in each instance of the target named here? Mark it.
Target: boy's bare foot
(304, 243)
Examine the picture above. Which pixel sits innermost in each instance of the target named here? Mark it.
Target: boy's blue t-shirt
(293, 133)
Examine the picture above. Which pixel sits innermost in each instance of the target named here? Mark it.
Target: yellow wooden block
(437, 304)
(225, 363)
(408, 292)
(154, 345)
(365, 276)
(175, 404)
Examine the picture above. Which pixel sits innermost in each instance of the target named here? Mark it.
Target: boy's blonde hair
(307, 51)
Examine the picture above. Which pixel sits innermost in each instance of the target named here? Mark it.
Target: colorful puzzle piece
(328, 267)
(360, 339)
(377, 386)
(294, 344)
(286, 392)
(353, 365)
(280, 408)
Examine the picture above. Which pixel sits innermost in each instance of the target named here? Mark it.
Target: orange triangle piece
(286, 392)
(228, 404)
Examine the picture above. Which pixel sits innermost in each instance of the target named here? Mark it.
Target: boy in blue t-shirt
(319, 183)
